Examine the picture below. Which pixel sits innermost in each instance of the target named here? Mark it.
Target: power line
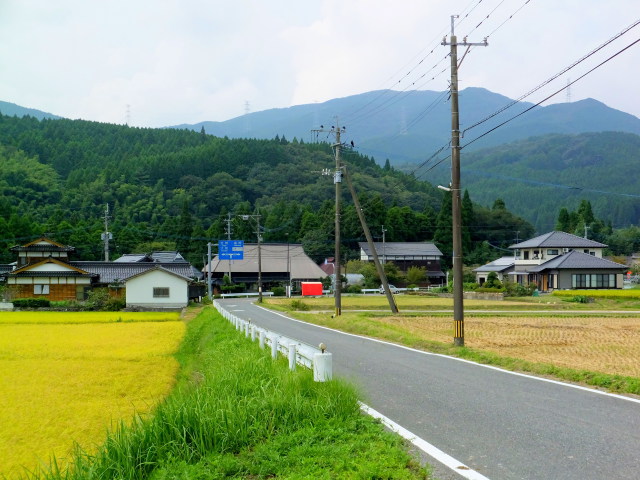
(553, 94)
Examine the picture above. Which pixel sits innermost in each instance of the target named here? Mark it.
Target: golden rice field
(66, 377)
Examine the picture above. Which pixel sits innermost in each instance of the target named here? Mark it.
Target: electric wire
(553, 94)
(551, 79)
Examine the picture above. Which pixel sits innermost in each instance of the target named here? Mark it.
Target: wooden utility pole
(456, 210)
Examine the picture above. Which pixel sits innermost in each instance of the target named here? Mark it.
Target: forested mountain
(12, 109)
(407, 127)
(175, 189)
(538, 176)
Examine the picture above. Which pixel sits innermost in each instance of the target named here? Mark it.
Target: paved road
(503, 425)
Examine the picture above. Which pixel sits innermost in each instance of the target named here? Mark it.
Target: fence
(297, 352)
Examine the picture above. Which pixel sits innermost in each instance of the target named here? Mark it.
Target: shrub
(489, 290)
(579, 299)
(353, 289)
(512, 289)
(470, 286)
(299, 305)
(31, 303)
(278, 291)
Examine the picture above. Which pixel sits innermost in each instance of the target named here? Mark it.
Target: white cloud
(186, 61)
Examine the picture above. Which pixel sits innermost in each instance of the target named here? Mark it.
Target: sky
(168, 62)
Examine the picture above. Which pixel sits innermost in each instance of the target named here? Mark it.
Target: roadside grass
(236, 413)
(593, 349)
(65, 383)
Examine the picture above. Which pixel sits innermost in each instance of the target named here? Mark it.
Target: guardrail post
(322, 367)
(274, 347)
(261, 338)
(253, 333)
(292, 356)
(246, 329)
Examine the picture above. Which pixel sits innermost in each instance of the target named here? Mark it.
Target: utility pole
(257, 217)
(228, 232)
(209, 271)
(337, 180)
(106, 236)
(458, 309)
(384, 245)
(372, 247)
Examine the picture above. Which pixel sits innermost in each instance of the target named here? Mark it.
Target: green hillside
(538, 176)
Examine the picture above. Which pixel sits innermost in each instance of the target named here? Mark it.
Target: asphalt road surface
(502, 425)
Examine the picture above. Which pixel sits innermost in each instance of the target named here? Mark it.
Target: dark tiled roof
(42, 248)
(161, 269)
(109, 272)
(5, 268)
(274, 258)
(578, 261)
(559, 240)
(402, 249)
(55, 273)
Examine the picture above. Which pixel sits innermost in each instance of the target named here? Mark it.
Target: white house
(157, 288)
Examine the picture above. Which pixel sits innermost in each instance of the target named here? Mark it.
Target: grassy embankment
(235, 413)
(546, 336)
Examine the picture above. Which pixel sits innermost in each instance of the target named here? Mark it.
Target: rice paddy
(67, 377)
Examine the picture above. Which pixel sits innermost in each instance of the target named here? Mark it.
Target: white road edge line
(540, 379)
(434, 452)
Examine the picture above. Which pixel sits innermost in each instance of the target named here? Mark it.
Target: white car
(393, 289)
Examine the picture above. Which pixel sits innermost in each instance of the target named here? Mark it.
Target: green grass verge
(235, 413)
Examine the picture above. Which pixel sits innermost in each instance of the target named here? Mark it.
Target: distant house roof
(160, 269)
(160, 257)
(559, 240)
(500, 265)
(43, 244)
(402, 249)
(575, 260)
(59, 269)
(275, 258)
(110, 272)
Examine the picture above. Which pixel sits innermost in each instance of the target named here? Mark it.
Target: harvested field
(599, 343)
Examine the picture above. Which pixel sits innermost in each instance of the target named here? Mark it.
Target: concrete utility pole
(337, 180)
(458, 309)
(372, 247)
(106, 236)
(209, 289)
(257, 218)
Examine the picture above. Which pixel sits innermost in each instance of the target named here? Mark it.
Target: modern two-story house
(559, 260)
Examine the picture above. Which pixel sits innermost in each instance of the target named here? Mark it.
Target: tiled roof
(575, 260)
(109, 272)
(402, 249)
(274, 258)
(161, 269)
(499, 265)
(559, 240)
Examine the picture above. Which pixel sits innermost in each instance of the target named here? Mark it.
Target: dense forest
(538, 176)
(178, 189)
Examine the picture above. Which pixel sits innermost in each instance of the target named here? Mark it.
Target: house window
(526, 255)
(552, 251)
(596, 280)
(160, 292)
(41, 289)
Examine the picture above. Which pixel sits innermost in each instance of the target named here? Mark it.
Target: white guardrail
(298, 353)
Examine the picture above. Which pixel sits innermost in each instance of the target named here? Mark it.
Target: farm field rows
(66, 378)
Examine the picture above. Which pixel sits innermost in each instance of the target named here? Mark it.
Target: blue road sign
(231, 249)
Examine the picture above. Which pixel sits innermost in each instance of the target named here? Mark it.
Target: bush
(31, 303)
(299, 305)
(579, 299)
(489, 290)
(512, 289)
(470, 286)
(279, 291)
(353, 289)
